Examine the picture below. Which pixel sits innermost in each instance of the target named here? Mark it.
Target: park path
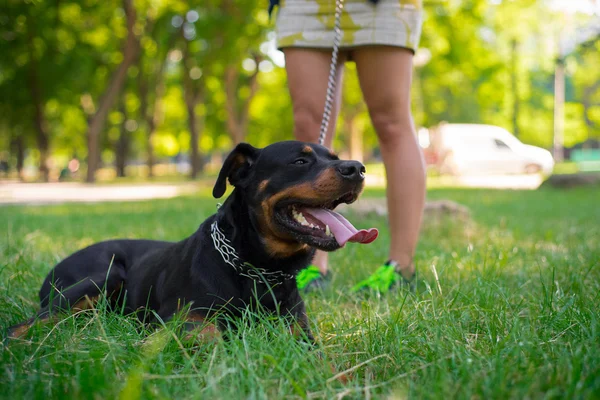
(63, 192)
(52, 193)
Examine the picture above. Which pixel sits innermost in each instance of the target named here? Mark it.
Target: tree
(193, 91)
(353, 114)
(98, 118)
(24, 28)
(158, 40)
(588, 82)
(123, 143)
(236, 103)
(43, 139)
(244, 35)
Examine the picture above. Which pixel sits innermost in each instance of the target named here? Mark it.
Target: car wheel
(533, 168)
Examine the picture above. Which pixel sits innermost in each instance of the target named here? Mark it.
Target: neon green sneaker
(311, 278)
(384, 278)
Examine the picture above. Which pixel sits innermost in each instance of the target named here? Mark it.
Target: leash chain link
(229, 255)
(331, 82)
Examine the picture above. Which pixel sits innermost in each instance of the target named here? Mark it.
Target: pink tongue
(341, 228)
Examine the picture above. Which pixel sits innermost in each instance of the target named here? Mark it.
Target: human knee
(306, 124)
(392, 127)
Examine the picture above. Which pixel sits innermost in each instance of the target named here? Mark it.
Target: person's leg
(308, 72)
(385, 75)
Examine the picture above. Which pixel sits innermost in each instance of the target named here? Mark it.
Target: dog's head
(292, 189)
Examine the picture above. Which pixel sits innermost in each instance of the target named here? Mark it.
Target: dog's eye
(300, 161)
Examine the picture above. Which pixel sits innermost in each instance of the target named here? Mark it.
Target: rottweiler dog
(246, 255)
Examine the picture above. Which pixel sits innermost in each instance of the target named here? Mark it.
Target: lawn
(506, 307)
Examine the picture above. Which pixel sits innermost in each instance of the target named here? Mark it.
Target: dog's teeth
(298, 216)
(327, 230)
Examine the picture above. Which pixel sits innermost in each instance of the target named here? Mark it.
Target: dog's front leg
(299, 326)
(300, 329)
(199, 328)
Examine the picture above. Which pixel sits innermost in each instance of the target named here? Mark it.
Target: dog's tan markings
(239, 159)
(298, 327)
(341, 377)
(19, 331)
(87, 303)
(282, 249)
(325, 188)
(203, 330)
(277, 246)
(263, 185)
(327, 183)
(22, 329)
(296, 331)
(307, 149)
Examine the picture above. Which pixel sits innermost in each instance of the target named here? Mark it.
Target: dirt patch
(572, 180)
(434, 210)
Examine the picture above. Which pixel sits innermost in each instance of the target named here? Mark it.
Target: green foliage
(506, 307)
(488, 62)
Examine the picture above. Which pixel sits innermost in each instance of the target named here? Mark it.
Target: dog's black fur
(256, 218)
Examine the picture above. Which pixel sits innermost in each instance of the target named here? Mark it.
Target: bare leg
(308, 71)
(385, 75)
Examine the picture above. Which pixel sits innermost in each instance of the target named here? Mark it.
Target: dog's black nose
(352, 170)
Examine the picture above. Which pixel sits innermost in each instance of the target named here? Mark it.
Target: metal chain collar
(260, 275)
(331, 83)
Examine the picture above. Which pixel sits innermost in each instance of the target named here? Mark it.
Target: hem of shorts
(299, 7)
(325, 47)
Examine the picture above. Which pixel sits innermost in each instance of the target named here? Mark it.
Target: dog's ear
(236, 167)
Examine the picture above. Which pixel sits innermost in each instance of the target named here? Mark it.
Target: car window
(501, 145)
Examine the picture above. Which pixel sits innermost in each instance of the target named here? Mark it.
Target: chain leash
(331, 83)
(230, 256)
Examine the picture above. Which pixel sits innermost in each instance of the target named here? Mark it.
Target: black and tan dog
(245, 255)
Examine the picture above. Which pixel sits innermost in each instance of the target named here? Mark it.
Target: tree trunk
(43, 141)
(122, 148)
(559, 110)
(143, 93)
(150, 160)
(152, 112)
(20, 153)
(35, 90)
(96, 122)
(238, 111)
(587, 105)
(231, 79)
(196, 126)
(514, 86)
(194, 139)
(153, 119)
(356, 138)
(193, 94)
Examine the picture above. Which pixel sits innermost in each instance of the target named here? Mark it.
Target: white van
(473, 149)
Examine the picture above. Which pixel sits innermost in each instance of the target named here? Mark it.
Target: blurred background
(133, 90)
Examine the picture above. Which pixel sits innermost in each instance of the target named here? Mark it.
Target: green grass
(513, 312)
